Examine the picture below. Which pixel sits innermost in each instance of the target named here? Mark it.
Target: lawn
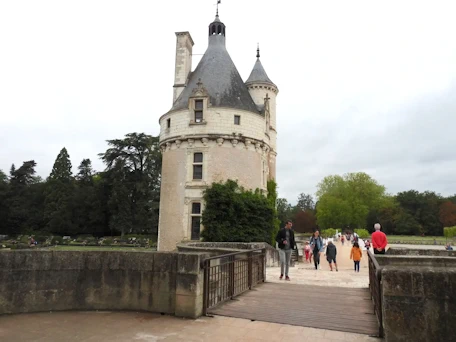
(100, 248)
(408, 239)
(91, 248)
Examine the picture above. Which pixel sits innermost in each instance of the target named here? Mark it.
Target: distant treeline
(355, 200)
(122, 199)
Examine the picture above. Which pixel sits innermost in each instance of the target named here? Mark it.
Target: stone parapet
(34, 281)
(221, 248)
(418, 294)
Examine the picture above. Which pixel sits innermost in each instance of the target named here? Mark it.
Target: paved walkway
(147, 327)
(305, 273)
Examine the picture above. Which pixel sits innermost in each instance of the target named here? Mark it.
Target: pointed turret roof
(218, 75)
(258, 74)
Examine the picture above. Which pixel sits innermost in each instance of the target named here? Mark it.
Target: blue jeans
(356, 266)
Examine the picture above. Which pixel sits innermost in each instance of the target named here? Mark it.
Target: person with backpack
(286, 241)
(331, 252)
(316, 244)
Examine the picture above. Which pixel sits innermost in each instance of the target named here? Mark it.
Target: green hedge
(326, 233)
(362, 233)
(449, 232)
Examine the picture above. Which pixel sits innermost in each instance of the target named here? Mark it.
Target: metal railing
(375, 287)
(229, 275)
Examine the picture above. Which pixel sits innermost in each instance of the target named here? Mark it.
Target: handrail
(235, 253)
(374, 259)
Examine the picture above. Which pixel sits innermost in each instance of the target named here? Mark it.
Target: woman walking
(316, 244)
(356, 255)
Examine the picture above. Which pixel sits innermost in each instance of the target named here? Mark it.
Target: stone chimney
(184, 47)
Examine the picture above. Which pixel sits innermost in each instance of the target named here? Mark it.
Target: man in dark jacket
(285, 239)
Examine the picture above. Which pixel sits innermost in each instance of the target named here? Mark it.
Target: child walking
(307, 251)
(331, 252)
(356, 254)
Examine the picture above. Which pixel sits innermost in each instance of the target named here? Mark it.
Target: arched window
(219, 29)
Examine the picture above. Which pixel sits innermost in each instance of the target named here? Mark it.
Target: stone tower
(219, 128)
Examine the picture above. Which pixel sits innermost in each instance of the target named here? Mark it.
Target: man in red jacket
(379, 240)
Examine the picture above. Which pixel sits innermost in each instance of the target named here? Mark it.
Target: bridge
(235, 286)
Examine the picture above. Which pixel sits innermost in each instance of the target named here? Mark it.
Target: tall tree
(346, 201)
(3, 202)
(24, 200)
(424, 208)
(59, 194)
(88, 208)
(306, 202)
(284, 211)
(135, 166)
(447, 214)
(305, 222)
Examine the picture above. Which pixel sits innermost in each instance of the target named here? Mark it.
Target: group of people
(315, 247)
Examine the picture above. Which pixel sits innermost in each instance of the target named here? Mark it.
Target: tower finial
(218, 2)
(258, 50)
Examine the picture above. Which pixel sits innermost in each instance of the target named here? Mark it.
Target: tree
(58, 211)
(284, 211)
(305, 222)
(134, 167)
(88, 208)
(447, 214)
(306, 202)
(406, 224)
(23, 200)
(347, 200)
(233, 214)
(85, 173)
(424, 208)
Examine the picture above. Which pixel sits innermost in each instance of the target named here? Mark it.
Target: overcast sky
(364, 86)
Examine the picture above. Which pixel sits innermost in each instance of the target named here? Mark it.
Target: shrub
(233, 214)
(56, 240)
(326, 233)
(362, 233)
(449, 232)
(108, 242)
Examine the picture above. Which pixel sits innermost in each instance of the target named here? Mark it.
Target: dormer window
(198, 111)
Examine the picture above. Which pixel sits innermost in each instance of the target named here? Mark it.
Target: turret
(264, 93)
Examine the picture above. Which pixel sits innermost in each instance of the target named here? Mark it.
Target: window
(198, 165)
(237, 119)
(196, 221)
(198, 111)
(168, 123)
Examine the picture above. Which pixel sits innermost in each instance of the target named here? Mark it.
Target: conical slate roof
(258, 74)
(220, 78)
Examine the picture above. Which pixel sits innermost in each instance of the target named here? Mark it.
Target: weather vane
(218, 2)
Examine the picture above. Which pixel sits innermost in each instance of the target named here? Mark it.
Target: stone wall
(417, 251)
(418, 303)
(221, 248)
(33, 281)
(418, 294)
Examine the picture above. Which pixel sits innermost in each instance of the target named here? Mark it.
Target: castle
(219, 128)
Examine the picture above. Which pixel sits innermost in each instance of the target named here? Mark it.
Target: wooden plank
(349, 310)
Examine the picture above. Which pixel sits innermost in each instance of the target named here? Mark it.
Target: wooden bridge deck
(333, 308)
